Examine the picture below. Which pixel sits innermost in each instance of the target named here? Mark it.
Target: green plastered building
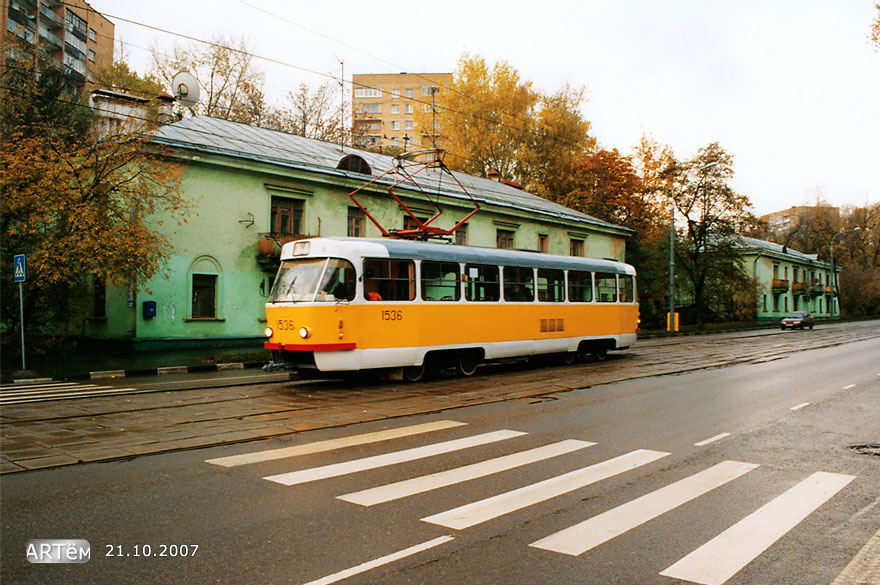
(789, 280)
(255, 189)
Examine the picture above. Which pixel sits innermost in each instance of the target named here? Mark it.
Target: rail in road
(712, 562)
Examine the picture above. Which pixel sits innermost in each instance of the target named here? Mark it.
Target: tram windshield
(314, 279)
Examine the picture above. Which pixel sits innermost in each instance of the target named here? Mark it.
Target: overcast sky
(791, 88)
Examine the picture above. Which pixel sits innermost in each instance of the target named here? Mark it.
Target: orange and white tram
(350, 304)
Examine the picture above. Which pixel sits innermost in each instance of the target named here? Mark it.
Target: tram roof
(218, 136)
(471, 254)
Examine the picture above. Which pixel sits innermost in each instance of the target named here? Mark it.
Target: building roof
(214, 135)
(774, 249)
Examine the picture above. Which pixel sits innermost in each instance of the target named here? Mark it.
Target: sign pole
(21, 307)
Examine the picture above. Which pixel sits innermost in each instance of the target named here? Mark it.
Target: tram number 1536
(392, 315)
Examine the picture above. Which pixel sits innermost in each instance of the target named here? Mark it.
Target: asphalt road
(741, 474)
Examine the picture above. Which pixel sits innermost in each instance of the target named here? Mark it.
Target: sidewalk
(102, 364)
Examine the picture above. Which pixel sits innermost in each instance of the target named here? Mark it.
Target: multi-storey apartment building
(70, 34)
(385, 106)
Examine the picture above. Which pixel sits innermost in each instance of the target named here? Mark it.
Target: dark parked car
(797, 320)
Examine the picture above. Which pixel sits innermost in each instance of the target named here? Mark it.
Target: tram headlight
(268, 332)
(304, 332)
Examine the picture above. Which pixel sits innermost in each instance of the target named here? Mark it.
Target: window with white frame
(367, 92)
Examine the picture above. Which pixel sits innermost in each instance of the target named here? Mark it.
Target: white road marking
(368, 566)
(712, 440)
(333, 444)
(591, 533)
(483, 510)
(417, 485)
(849, 387)
(337, 469)
(800, 406)
(722, 557)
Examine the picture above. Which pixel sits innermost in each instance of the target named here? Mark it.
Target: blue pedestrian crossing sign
(20, 268)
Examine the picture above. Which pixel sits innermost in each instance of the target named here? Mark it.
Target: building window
(461, 235)
(409, 93)
(395, 108)
(204, 295)
(93, 34)
(576, 248)
(543, 245)
(395, 125)
(409, 108)
(395, 93)
(286, 216)
(355, 222)
(408, 125)
(99, 310)
(92, 55)
(367, 92)
(765, 303)
(504, 239)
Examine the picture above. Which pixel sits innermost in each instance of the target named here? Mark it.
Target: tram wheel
(467, 364)
(414, 373)
(600, 352)
(569, 357)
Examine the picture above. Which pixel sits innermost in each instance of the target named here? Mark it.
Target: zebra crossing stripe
(333, 444)
(591, 533)
(722, 557)
(417, 485)
(368, 566)
(337, 469)
(483, 510)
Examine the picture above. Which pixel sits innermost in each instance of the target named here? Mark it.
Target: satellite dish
(185, 89)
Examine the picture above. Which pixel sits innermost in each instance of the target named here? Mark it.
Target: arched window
(355, 164)
(204, 279)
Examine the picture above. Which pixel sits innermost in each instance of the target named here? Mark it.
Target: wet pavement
(185, 411)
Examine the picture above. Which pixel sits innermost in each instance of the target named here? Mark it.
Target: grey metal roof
(207, 134)
(780, 250)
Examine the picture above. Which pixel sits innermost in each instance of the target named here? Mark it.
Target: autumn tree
(560, 140)
(231, 83)
(312, 112)
(486, 119)
(82, 208)
(857, 251)
(713, 215)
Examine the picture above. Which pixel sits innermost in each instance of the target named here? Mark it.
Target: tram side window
(441, 281)
(482, 283)
(519, 284)
(580, 286)
(606, 287)
(338, 283)
(551, 285)
(389, 280)
(627, 288)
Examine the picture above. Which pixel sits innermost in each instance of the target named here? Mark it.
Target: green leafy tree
(713, 215)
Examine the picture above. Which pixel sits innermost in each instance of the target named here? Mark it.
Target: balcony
(269, 248)
(799, 288)
(48, 17)
(780, 285)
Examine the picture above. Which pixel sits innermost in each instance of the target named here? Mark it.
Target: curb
(165, 370)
